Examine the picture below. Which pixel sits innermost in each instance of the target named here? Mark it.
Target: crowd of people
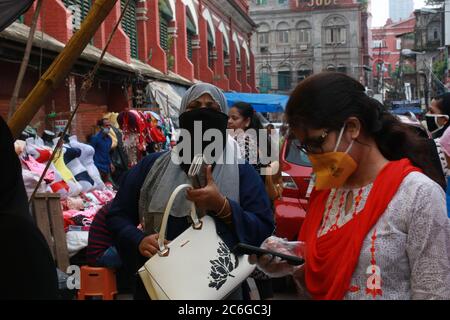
(377, 224)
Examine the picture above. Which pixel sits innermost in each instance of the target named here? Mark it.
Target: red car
(290, 209)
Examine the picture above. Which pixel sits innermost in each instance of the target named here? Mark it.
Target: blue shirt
(102, 145)
(252, 217)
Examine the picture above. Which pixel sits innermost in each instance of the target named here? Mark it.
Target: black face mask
(431, 124)
(434, 129)
(210, 119)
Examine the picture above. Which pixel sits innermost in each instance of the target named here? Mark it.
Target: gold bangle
(226, 216)
(223, 207)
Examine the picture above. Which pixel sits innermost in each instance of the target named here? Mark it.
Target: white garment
(442, 158)
(87, 160)
(76, 241)
(412, 245)
(76, 167)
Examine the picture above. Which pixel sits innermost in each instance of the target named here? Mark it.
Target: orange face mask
(332, 169)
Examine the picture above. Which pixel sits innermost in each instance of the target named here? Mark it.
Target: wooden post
(26, 59)
(62, 65)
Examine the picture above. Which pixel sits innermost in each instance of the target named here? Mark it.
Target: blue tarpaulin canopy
(260, 102)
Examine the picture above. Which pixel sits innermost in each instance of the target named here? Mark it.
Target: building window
(304, 36)
(303, 73)
(282, 1)
(263, 38)
(336, 35)
(79, 10)
(342, 69)
(163, 33)
(335, 31)
(210, 49)
(283, 33)
(378, 44)
(283, 36)
(226, 58)
(284, 80)
(191, 32)
(265, 82)
(238, 57)
(399, 44)
(261, 2)
(165, 16)
(129, 26)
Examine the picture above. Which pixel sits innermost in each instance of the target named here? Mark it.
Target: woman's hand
(273, 266)
(149, 245)
(208, 198)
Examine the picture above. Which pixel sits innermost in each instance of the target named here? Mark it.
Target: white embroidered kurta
(412, 244)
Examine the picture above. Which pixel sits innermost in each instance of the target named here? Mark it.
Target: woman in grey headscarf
(234, 194)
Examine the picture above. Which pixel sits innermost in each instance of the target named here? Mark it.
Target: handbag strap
(162, 232)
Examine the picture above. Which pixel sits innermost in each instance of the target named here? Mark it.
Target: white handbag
(197, 265)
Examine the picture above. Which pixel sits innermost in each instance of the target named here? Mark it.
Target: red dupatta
(332, 258)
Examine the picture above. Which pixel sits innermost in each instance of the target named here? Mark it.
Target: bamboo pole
(26, 59)
(62, 65)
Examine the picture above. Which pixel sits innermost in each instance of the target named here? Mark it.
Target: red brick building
(176, 41)
(386, 46)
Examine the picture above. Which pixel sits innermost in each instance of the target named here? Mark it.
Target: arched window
(265, 81)
(335, 31)
(263, 35)
(434, 33)
(303, 72)
(226, 57)
(210, 48)
(129, 26)
(284, 78)
(191, 32)
(165, 16)
(303, 32)
(79, 10)
(283, 33)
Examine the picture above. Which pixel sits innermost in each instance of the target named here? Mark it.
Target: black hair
(444, 103)
(246, 110)
(328, 99)
(270, 126)
(101, 122)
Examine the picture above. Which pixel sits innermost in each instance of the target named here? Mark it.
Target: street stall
(259, 101)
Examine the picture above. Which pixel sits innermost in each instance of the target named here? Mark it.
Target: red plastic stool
(97, 282)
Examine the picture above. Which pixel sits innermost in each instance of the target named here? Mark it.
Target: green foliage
(439, 68)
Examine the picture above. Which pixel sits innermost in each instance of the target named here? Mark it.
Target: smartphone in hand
(197, 172)
(242, 248)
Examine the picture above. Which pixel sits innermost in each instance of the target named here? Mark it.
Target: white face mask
(338, 142)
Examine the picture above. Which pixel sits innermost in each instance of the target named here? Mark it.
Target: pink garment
(102, 196)
(445, 142)
(91, 198)
(39, 168)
